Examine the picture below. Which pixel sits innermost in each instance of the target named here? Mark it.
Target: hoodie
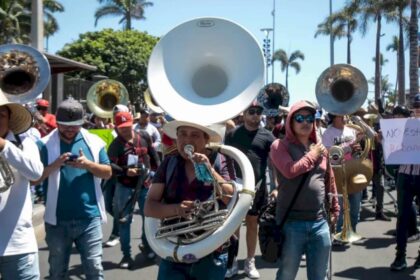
(292, 160)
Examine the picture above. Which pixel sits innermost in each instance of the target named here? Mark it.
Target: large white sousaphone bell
(206, 71)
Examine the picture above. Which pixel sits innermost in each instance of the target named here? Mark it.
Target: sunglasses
(301, 118)
(254, 111)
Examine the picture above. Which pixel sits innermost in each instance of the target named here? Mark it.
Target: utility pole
(37, 25)
(267, 51)
(274, 32)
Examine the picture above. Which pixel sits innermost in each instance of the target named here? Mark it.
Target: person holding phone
(74, 161)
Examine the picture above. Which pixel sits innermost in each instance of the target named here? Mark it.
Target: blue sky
(296, 23)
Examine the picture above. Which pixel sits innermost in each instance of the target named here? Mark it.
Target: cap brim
(126, 124)
(171, 128)
(78, 122)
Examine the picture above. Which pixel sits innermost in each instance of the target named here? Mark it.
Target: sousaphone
(273, 97)
(151, 103)
(206, 71)
(341, 90)
(24, 72)
(104, 95)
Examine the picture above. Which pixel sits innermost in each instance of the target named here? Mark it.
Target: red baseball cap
(42, 103)
(123, 119)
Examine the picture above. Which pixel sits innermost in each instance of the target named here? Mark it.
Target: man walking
(18, 247)
(75, 162)
(254, 141)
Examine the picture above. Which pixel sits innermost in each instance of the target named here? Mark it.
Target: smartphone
(72, 158)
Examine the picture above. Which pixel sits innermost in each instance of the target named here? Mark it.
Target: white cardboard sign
(401, 140)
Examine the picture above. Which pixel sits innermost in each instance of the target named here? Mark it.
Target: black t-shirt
(255, 145)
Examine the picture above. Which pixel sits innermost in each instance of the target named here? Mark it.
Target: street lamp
(267, 50)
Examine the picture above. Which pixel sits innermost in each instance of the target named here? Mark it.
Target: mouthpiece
(189, 150)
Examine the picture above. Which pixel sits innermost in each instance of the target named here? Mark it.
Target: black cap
(70, 112)
(401, 110)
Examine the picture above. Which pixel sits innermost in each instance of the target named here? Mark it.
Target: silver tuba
(24, 74)
(104, 95)
(206, 71)
(273, 97)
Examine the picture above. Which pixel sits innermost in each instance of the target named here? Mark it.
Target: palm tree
(287, 61)
(394, 46)
(374, 10)
(414, 55)
(10, 24)
(127, 9)
(341, 24)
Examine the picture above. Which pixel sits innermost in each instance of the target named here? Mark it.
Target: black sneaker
(381, 216)
(126, 262)
(417, 263)
(399, 262)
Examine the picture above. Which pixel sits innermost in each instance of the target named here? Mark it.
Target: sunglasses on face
(301, 118)
(254, 111)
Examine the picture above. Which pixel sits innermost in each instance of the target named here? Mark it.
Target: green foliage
(119, 55)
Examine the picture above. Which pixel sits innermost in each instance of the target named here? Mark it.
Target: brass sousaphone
(206, 71)
(24, 75)
(104, 95)
(341, 90)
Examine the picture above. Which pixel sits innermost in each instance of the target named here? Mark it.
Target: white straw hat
(20, 118)
(171, 128)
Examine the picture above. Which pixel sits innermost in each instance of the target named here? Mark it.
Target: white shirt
(17, 235)
(153, 132)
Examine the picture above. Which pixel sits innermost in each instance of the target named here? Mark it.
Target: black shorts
(260, 200)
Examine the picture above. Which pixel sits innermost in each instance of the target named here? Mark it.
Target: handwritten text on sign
(401, 141)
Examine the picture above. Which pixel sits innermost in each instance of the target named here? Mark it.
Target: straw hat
(20, 118)
(171, 128)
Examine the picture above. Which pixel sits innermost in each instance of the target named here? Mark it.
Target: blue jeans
(408, 186)
(305, 237)
(211, 267)
(22, 267)
(354, 200)
(121, 197)
(87, 236)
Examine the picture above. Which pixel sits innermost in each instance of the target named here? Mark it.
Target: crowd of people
(80, 179)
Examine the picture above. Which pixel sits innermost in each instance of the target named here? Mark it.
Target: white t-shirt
(17, 235)
(348, 135)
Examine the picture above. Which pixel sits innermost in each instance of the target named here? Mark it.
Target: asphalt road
(367, 259)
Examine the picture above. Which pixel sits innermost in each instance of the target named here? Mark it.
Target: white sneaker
(250, 269)
(112, 241)
(233, 270)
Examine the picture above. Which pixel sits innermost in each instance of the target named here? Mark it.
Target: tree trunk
(287, 77)
(128, 15)
(348, 44)
(378, 58)
(414, 51)
(401, 63)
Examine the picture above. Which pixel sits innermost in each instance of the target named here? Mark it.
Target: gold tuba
(341, 90)
(206, 71)
(24, 74)
(104, 95)
(151, 103)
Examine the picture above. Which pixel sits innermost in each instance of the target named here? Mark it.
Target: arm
(100, 170)
(26, 161)
(284, 163)
(155, 208)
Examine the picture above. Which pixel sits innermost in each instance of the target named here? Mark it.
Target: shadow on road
(383, 273)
